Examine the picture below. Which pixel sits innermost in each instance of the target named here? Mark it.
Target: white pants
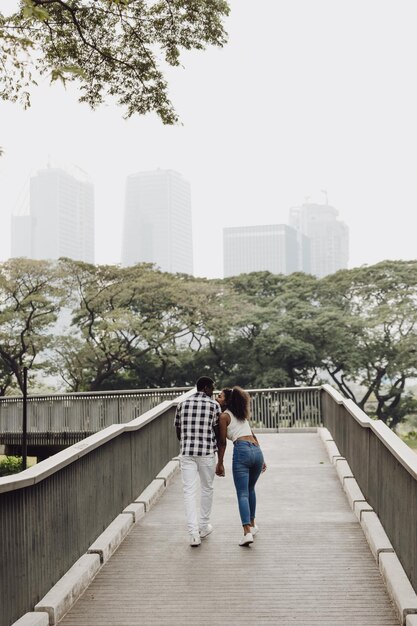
(193, 467)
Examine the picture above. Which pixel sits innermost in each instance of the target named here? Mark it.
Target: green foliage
(411, 439)
(112, 48)
(29, 302)
(10, 465)
(412, 436)
(371, 340)
(139, 327)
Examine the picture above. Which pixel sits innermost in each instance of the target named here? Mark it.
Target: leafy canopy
(370, 315)
(30, 298)
(111, 48)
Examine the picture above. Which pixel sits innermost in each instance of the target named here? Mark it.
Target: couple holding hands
(203, 426)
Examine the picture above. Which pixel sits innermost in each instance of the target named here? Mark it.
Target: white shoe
(208, 529)
(195, 540)
(255, 530)
(246, 540)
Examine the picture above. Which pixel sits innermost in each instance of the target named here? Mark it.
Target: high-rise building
(21, 236)
(273, 248)
(328, 237)
(158, 222)
(61, 218)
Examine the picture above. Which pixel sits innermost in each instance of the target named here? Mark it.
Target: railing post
(25, 421)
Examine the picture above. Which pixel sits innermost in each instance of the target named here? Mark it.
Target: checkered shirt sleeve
(197, 417)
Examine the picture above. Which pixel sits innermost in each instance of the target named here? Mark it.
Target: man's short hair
(203, 382)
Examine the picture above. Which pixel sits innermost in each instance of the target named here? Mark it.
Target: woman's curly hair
(238, 402)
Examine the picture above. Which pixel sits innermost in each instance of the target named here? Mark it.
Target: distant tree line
(101, 327)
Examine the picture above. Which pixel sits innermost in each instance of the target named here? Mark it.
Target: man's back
(197, 417)
(196, 421)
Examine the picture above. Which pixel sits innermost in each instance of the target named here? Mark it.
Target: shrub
(10, 465)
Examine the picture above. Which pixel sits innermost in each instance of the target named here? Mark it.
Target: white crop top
(237, 428)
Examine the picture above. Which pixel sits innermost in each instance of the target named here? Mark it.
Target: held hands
(220, 469)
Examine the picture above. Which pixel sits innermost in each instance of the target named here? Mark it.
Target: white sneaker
(255, 530)
(207, 530)
(195, 540)
(246, 540)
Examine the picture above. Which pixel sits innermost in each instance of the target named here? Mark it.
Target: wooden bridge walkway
(310, 564)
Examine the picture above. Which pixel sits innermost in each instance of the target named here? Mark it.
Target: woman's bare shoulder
(225, 417)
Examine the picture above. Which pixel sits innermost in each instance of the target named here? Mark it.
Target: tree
(29, 302)
(369, 330)
(95, 347)
(127, 323)
(111, 48)
(222, 321)
(7, 381)
(284, 346)
(247, 330)
(163, 308)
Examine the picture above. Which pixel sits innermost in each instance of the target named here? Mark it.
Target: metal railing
(50, 521)
(293, 407)
(51, 513)
(49, 517)
(64, 419)
(385, 469)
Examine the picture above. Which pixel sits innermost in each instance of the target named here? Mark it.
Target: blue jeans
(247, 465)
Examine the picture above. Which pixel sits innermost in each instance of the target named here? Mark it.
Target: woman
(248, 461)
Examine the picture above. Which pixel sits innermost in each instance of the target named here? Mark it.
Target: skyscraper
(158, 222)
(273, 248)
(61, 218)
(329, 237)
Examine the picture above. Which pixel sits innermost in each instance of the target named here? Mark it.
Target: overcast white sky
(308, 95)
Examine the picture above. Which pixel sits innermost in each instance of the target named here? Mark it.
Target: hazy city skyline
(60, 218)
(272, 247)
(157, 228)
(288, 108)
(328, 237)
(157, 225)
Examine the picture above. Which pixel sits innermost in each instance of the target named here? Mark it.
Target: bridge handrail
(54, 511)
(59, 420)
(385, 469)
(284, 389)
(64, 419)
(286, 407)
(42, 470)
(389, 439)
(76, 493)
(92, 394)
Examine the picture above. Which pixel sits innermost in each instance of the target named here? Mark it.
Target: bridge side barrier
(291, 407)
(52, 512)
(64, 419)
(385, 469)
(60, 420)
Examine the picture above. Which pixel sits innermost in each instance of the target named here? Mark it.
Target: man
(196, 421)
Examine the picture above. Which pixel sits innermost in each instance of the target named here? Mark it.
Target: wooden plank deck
(310, 564)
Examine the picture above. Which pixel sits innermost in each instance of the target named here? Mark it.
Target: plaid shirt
(196, 417)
